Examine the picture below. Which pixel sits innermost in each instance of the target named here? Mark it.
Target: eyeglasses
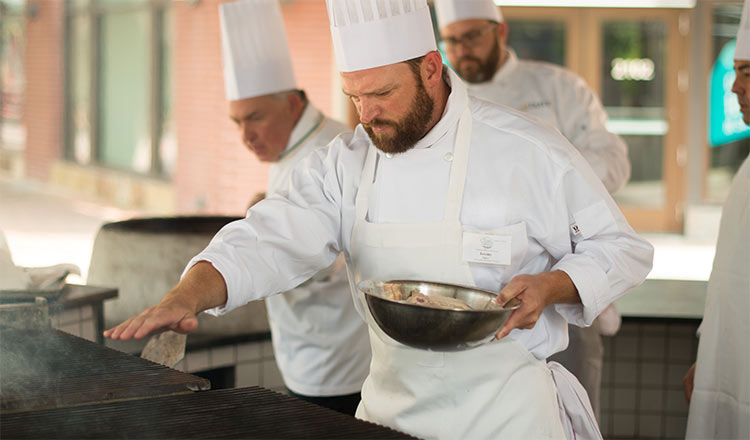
(469, 39)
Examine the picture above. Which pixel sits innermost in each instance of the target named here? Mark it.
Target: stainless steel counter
(664, 299)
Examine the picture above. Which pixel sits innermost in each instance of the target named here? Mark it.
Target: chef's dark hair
(414, 64)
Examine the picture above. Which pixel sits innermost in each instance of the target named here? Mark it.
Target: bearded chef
(427, 175)
(319, 341)
(718, 384)
(475, 35)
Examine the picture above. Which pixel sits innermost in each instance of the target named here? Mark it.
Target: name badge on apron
(486, 248)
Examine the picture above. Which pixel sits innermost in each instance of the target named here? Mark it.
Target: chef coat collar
(507, 69)
(454, 107)
(309, 120)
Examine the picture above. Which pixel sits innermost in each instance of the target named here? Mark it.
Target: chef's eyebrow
(244, 118)
(743, 67)
(384, 89)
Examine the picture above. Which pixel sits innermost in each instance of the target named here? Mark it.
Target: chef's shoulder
(505, 130)
(330, 129)
(345, 149)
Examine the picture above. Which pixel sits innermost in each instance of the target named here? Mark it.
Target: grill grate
(247, 413)
(47, 368)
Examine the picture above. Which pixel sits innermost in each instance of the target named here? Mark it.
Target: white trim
(652, 127)
(601, 3)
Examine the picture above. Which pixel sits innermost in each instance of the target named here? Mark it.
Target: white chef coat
(320, 342)
(720, 404)
(522, 177)
(562, 99)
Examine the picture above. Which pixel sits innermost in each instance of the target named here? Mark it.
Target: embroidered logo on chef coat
(575, 229)
(534, 105)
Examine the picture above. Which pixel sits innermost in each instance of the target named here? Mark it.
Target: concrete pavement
(45, 227)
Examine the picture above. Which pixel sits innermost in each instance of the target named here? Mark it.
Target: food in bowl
(438, 302)
(435, 328)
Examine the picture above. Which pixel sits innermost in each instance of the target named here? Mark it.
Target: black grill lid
(247, 413)
(47, 368)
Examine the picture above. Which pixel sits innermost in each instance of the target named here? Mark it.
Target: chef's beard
(408, 130)
(486, 70)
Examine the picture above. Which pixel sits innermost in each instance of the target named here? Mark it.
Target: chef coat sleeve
(283, 240)
(603, 256)
(582, 121)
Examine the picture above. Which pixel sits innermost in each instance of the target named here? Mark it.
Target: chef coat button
(448, 157)
(388, 155)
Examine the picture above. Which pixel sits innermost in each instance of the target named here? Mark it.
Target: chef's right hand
(200, 289)
(167, 315)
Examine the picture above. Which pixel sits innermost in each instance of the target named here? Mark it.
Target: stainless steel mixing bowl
(432, 328)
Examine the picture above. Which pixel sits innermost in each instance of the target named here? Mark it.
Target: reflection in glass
(632, 69)
(538, 40)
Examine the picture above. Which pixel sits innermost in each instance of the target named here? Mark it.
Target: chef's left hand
(535, 293)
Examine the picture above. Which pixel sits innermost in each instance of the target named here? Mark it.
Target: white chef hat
(255, 49)
(374, 33)
(450, 11)
(742, 44)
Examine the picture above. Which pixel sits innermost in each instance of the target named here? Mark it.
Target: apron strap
(362, 202)
(457, 180)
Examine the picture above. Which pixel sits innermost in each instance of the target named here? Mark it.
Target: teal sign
(725, 122)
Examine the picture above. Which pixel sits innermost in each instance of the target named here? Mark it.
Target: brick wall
(43, 102)
(306, 23)
(215, 173)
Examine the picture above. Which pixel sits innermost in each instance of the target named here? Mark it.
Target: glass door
(642, 81)
(636, 61)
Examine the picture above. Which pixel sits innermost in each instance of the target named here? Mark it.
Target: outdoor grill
(248, 413)
(56, 385)
(47, 368)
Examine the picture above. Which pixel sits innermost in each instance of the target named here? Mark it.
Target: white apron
(495, 390)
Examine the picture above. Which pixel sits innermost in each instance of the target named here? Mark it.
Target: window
(12, 83)
(541, 40)
(119, 93)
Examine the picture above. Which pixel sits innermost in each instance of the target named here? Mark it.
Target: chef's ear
(501, 31)
(296, 100)
(432, 69)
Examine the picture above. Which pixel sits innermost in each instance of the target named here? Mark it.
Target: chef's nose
(737, 86)
(248, 134)
(368, 110)
(460, 50)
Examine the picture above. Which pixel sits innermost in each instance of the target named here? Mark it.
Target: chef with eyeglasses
(427, 174)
